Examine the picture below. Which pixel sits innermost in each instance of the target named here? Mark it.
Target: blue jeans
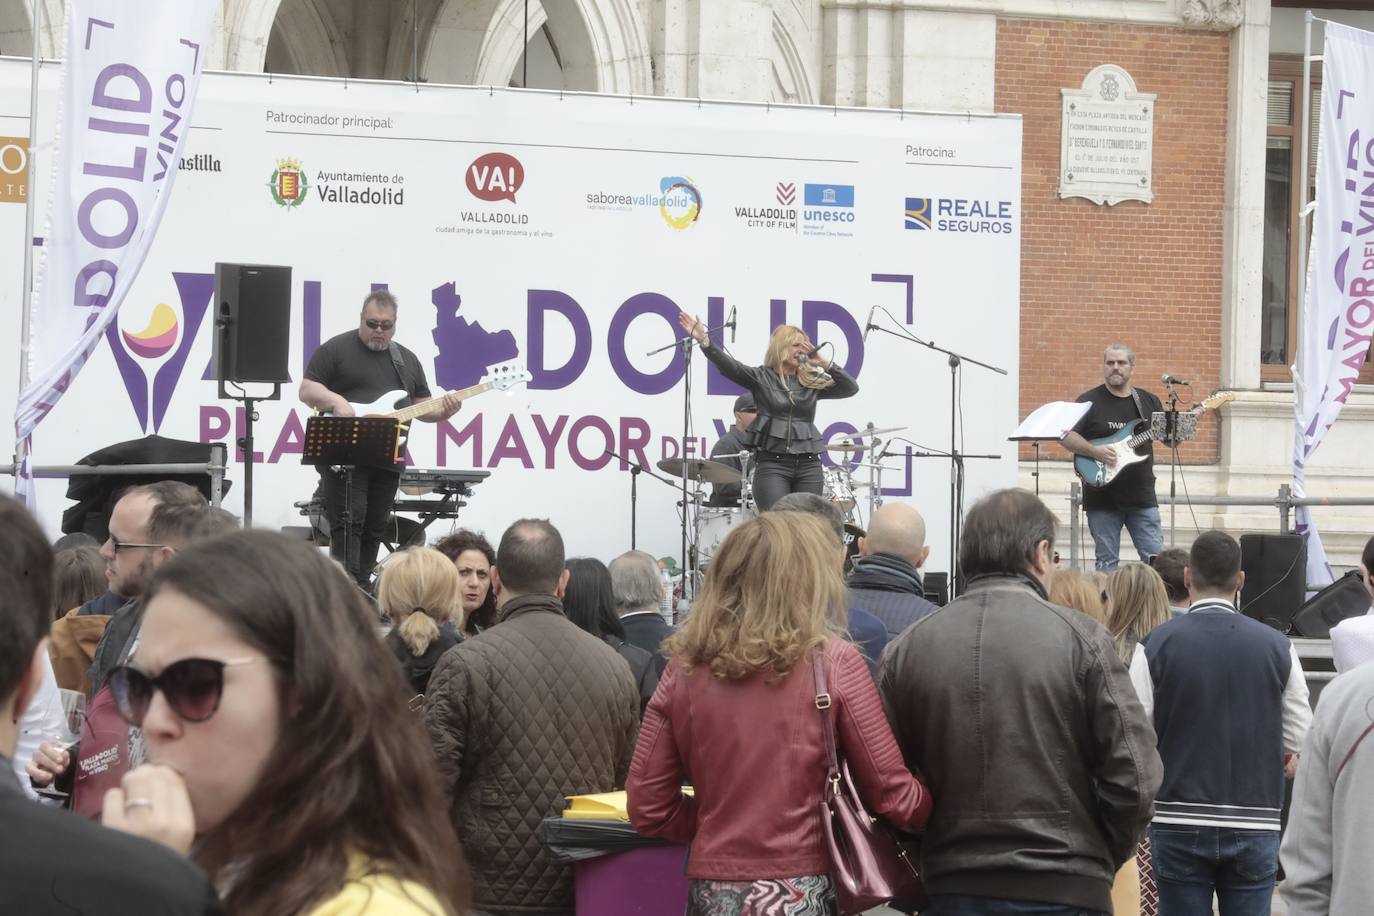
(1193, 862)
(1146, 533)
(959, 905)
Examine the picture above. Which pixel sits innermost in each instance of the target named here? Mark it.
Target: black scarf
(882, 572)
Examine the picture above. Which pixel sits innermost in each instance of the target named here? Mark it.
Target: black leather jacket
(786, 408)
(1023, 723)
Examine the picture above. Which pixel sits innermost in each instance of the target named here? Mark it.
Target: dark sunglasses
(117, 545)
(192, 687)
(376, 325)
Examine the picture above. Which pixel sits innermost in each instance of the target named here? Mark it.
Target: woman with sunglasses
(283, 759)
(793, 377)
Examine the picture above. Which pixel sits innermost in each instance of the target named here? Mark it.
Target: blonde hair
(773, 593)
(1078, 591)
(1139, 602)
(784, 336)
(419, 590)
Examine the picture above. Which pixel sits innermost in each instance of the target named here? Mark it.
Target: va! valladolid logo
(288, 184)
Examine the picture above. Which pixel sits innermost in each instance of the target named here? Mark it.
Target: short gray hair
(1130, 354)
(383, 298)
(636, 581)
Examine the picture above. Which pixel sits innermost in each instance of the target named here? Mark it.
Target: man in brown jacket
(1022, 720)
(528, 712)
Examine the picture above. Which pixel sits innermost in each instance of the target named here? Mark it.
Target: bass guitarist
(360, 366)
(1130, 498)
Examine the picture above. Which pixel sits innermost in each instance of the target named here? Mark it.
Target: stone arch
(16, 28)
(304, 38)
(603, 44)
(791, 82)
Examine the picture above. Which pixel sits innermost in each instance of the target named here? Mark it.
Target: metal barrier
(1284, 501)
(215, 468)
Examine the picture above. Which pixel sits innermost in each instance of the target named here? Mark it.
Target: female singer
(786, 387)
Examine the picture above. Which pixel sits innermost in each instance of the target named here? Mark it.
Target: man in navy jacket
(1229, 704)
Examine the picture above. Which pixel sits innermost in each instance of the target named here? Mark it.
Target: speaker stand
(245, 442)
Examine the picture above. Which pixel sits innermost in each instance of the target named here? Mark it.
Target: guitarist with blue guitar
(347, 371)
(1117, 471)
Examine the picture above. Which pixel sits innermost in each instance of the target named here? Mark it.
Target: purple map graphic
(465, 348)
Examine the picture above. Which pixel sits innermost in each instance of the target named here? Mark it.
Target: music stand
(349, 442)
(1049, 422)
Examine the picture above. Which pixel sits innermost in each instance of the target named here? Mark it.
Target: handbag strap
(823, 703)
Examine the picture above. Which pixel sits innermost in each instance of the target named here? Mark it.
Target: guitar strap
(395, 354)
(1135, 396)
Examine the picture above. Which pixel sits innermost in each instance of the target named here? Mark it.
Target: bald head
(898, 530)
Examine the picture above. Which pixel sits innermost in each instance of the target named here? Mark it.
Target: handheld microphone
(868, 325)
(1168, 379)
(732, 324)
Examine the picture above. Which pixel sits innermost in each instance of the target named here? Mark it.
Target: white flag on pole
(1338, 310)
(130, 80)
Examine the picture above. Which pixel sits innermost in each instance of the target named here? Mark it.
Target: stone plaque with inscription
(1107, 145)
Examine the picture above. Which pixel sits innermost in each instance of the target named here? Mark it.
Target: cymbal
(700, 469)
(871, 431)
(846, 447)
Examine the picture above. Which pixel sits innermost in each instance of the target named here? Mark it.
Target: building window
(1282, 279)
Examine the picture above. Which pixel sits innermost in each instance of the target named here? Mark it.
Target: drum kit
(711, 524)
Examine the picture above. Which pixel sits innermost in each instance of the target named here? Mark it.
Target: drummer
(793, 377)
(727, 451)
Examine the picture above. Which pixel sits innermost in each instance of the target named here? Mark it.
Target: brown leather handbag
(868, 865)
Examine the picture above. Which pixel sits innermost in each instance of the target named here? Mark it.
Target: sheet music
(1051, 421)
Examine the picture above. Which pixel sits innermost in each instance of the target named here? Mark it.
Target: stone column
(1243, 217)
(891, 54)
(717, 49)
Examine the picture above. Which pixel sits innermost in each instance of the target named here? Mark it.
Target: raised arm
(731, 368)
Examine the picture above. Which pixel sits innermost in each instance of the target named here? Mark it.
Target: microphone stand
(686, 345)
(956, 458)
(1171, 430)
(635, 470)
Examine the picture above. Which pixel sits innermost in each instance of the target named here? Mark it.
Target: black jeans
(777, 475)
(372, 492)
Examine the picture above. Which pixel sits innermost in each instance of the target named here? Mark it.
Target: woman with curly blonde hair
(736, 714)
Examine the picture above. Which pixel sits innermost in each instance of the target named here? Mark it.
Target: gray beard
(376, 346)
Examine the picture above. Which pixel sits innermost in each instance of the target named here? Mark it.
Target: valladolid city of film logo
(288, 184)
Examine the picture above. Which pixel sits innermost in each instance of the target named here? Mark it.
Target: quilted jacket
(529, 711)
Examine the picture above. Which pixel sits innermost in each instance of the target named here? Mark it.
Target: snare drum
(838, 490)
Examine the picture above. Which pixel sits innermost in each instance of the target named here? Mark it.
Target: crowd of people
(262, 737)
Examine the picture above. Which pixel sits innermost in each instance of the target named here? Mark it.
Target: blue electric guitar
(1124, 442)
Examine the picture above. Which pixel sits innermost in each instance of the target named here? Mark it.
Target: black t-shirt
(1134, 488)
(346, 366)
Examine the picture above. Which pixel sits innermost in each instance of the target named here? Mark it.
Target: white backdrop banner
(1338, 310)
(563, 232)
(132, 69)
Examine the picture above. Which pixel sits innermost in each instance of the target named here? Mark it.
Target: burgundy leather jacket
(752, 752)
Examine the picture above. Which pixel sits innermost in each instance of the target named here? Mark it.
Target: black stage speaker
(936, 587)
(1275, 567)
(1343, 598)
(252, 323)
